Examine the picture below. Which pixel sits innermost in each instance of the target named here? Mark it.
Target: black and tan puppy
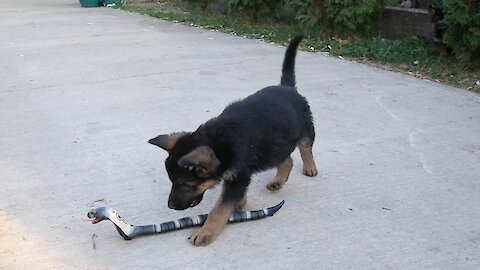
(437, 18)
(254, 134)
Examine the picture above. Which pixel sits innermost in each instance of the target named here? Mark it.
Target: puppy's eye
(190, 168)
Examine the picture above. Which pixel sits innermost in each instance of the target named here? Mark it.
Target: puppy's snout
(172, 205)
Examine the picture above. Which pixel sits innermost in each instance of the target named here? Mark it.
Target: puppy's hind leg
(283, 171)
(305, 147)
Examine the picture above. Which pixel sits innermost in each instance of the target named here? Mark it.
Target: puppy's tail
(288, 68)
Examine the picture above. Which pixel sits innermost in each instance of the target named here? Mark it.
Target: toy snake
(129, 231)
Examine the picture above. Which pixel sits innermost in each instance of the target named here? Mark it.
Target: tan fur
(206, 185)
(283, 171)
(203, 159)
(309, 167)
(168, 141)
(242, 204)
(216, 220)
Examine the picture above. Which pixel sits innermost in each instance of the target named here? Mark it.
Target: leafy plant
(462, 32)
(352, 16)
(257, 7)
(310, 13)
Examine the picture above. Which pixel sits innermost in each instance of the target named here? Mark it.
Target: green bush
(257, 7)
(309, 13)
(462, 32)
(351, 16)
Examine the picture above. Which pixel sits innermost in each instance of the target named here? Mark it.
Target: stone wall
(399, 23)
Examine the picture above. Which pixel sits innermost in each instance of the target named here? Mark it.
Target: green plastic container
(109, 2)
(89, 3)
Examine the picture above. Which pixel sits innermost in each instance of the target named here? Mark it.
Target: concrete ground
(82, 90)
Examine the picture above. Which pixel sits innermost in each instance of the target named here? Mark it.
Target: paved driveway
(82, 90)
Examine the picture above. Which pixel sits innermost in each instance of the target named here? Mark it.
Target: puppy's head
(191, 168)
(435, 13)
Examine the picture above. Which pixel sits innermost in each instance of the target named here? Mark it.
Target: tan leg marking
(242, 204)
(217, 218)
(309, 167)
(283, 170)
(209, 184)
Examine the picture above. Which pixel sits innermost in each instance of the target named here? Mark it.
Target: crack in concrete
(92, 83)
(7, 90)
(411, 138)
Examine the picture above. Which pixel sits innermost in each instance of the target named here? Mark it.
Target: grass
(415, 56)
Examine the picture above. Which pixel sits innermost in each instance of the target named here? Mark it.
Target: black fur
(288, 67)
(437, 15)
(250, 135)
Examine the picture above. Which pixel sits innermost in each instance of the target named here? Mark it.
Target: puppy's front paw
(274, 186)
(310, 171)
(203, 236)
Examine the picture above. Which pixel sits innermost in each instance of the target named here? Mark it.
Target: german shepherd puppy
(436, 16)
(251, 135)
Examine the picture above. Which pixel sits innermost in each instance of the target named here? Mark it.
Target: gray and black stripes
(128, 231)
(241, 216)
(181, 223)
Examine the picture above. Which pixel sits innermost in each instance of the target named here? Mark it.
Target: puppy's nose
(173, 205)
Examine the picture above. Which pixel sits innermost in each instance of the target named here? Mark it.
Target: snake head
(126, 230)
(100, 214)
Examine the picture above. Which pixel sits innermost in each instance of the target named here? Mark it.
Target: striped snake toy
(129, 231)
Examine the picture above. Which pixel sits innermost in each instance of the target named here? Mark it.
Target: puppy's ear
(202, 159)
(167, 141)
(431, 11)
